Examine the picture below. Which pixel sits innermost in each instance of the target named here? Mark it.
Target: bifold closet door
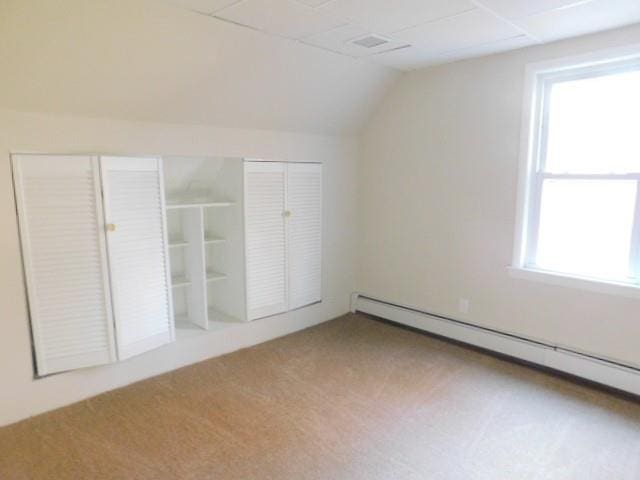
(61, 231)
(304, 207)
(137, 248)
(265, 238)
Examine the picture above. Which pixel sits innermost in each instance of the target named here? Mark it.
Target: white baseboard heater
(605, 372)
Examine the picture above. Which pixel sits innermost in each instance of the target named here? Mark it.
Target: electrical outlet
(463, 305)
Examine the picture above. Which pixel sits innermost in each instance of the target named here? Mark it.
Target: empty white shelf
(179, 281)
(213, 276)
(212, 239)
(218, 316)
(191, 204)
(218, 204)
(178, 243)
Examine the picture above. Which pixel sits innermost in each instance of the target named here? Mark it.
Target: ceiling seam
(490, 11)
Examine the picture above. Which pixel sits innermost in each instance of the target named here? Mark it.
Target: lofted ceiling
(410, 34)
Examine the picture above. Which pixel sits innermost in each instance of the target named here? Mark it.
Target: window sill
(564, 280)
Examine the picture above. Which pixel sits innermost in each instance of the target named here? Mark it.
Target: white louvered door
(60, 218)
(137, 248)
(304, 204)
(265, 239)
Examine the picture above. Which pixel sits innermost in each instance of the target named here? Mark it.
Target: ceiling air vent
(370, 41)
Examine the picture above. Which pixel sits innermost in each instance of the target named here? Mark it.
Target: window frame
(539, 77)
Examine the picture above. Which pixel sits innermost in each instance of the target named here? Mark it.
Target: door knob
(111, 227)
(286, 213)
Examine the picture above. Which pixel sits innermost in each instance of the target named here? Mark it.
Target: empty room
(320, 239)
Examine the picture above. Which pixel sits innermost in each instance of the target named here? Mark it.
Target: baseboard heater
(602, 371)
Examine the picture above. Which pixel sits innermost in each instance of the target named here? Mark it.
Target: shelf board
(210, 239)
(215, 276)
(178, 244)
(218, 319)
(179, 281)
(219, 204)
(190, 204)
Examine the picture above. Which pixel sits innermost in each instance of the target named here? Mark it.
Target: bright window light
(594, 125)
(586, 227)
(583, 202)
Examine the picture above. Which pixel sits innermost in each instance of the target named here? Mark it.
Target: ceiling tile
(581, 19)
(386, 16)
(462, 31)
(203, 6)
(415, 57)
(406, 58)
(521, 8)
(281, 17)
(489, 48)
(339, 40)
(336, 39)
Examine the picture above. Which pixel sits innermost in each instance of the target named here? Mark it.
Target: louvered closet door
(137, 246)
(265, 239)
(304, 202)
(60, 216)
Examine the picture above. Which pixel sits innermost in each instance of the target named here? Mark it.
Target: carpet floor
(353, 398)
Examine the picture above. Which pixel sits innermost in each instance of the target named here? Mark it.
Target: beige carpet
(349, 399)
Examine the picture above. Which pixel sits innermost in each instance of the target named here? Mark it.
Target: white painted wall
(20, 395)
(437, 205)
(147, 60)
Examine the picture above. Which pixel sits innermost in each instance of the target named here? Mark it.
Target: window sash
(534, 218)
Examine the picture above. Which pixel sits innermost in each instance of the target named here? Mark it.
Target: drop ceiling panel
(513, 9)
(413, 58)
(337, 40)
(204, 6)
(386, 16)
(406, 58)
(280, 17)
(584, 18)
(488, 48)
(436, 30)
(340, 40)
(468, 29)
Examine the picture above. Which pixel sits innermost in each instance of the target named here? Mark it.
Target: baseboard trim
(601, 371)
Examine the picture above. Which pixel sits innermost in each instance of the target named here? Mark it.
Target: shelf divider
(193, 226)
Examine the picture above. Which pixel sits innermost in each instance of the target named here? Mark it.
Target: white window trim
(530, 141)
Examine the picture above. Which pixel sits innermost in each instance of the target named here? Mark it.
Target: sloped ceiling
(141, 60)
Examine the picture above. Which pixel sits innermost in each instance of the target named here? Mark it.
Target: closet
(283, 228)
(118, 252)
(245, 238)
(94, 251)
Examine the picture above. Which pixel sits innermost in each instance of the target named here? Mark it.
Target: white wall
(437, 205)
(144, 60)
(20, 394)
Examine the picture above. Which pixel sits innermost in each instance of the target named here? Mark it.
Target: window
(580, 185)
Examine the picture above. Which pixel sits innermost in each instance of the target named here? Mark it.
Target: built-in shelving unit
(204, 216)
